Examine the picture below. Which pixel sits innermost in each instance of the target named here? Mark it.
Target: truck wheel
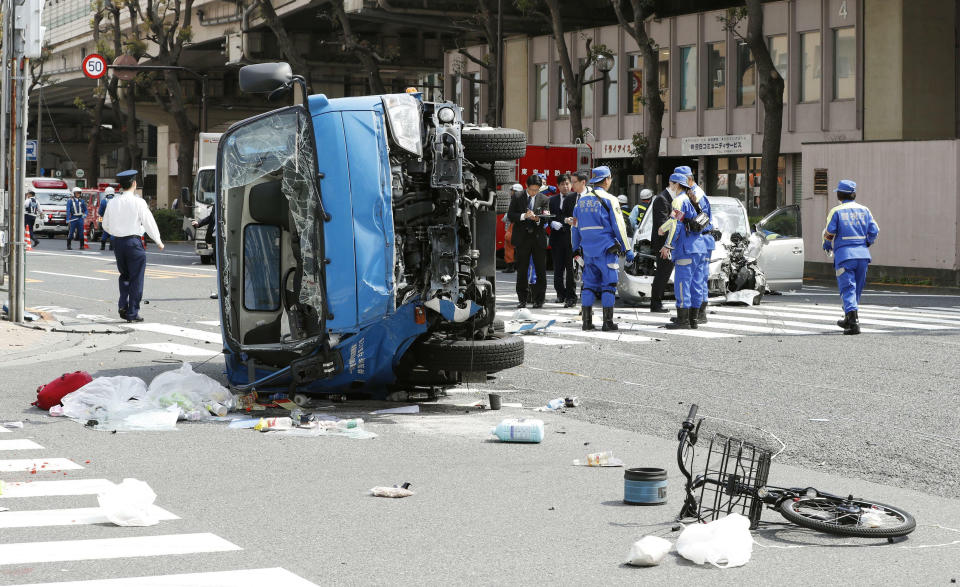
(498, 352)
(206, 259)
(499, 326)
(504, 172)
(503, 202)
(486, 144)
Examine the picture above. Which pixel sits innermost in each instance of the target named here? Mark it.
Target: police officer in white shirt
(125, 219)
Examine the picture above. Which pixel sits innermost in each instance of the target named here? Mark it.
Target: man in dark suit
(561, 208)
(660, 207)
(528, 215)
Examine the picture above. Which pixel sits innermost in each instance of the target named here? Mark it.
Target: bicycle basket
(733, 472)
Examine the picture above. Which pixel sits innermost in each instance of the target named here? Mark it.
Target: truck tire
(499, 326)
(206, 259)
(486, 144)
(504, 172)
(503, 202)
(498, 352)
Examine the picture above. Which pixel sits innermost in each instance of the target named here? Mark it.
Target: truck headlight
(404, 119)
(446, 115)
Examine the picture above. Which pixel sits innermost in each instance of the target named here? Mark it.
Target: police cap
(126, 178)
(846, 186)
(684, 169)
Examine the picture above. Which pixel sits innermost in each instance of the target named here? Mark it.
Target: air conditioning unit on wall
(352, 6)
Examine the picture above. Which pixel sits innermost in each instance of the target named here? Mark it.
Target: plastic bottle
(351, 423)
(519, 430)
(274, 424)
(556, 403)
(217, 409)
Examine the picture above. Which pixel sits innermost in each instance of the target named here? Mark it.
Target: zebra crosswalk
(125, 545)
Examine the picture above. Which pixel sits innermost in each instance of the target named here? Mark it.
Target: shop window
(635, 83)
(746, 77)
(562, 109)
(810, 67)
(688, 78)
(778, 53)
(716, 75)
(610, 89)
(844, 64)
(541, 80)
(664, 72)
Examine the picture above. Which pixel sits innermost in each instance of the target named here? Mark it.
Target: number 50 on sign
(94, 66)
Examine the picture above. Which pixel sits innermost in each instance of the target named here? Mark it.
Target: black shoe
(537, 305)
(702, 314)
(509, 270)
(587, 316)
(570, 303)
(102, 245)
(843, 323)
(135, 319)
(69, 248)
(657, 308)
(682, 321)
(521, 305)
(853, 323)
(559, 300)
(608, 323)
(123, 313)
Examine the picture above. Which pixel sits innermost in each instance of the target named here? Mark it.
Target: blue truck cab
(355, 243)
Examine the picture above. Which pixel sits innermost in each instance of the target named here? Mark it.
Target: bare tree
(125, 120)
(486, 19)
(770, 89)
(368, 56)
(647, 145)
(573, 81)
(290, 52)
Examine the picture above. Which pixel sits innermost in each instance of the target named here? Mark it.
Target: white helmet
(623, 199)
(516, 187)
(645, 194)
(109, 191)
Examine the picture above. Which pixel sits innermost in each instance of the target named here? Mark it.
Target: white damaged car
(776, 243)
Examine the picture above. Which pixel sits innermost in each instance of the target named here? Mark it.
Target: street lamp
(604, 62)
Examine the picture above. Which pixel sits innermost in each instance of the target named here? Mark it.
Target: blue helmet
(683, 169)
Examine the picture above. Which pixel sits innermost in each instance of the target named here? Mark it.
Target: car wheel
(503, 202)
(497, 352)
(504, 172)
(485, 144)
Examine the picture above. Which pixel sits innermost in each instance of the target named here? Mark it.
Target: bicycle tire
(904, 522)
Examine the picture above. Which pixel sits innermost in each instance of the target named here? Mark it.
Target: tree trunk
(368, 58)
(297, 61)
(770, 89)
(488, 19)
(185, 128)
(571, 82)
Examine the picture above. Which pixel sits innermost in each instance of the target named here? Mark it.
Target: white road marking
(275, 577)
(11, 465)
(951, 309)
(108, 548)
(209, 322)
(110, 261)
(829, 316)
(547, 341)
(170, 329)
(713, 323)
(12, 489)
(619, 336)
(19, 444)
(767, 318)
(71, 275)
(54, 309)
(176, 349)
(887, 311)
(67, 517)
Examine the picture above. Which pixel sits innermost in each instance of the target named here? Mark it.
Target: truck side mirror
(262, 78)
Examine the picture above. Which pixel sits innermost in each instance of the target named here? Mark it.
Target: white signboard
(623, 149)
(720, 145)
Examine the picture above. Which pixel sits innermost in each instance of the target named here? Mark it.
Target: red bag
(50, 394)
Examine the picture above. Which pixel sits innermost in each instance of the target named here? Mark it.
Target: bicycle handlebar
(688, 424)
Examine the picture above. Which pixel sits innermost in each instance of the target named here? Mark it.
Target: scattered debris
(129, 504)
(743, 297)
(527, 326)
(648, 551)
(50, 394)
(396, 491)
(599, 459)
(12, 424)
(723, 543)
(519, 430)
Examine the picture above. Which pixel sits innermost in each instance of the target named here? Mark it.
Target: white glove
(556, 225)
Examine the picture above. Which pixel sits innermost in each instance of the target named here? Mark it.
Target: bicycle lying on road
(734, 480)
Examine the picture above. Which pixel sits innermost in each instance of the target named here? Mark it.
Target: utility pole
(21, 25)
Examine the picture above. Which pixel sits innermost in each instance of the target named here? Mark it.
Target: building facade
(870, 94)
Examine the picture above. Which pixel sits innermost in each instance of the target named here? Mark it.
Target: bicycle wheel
(846, 517)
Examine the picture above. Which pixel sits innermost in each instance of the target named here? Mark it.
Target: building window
(844, 64)
(746, 76)
(634, 83)
(778, 53)
(610, 89)
(540, 92)
(586, 91)
(562, 109)
(716, 75)
(474, 97)
(810, 67)
(688, 78)
(664, 72)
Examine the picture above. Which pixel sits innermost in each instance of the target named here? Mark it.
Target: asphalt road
(874, 414)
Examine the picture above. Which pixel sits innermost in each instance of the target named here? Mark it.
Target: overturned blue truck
(356, 244)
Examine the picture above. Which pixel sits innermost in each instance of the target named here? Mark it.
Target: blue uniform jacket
(597, 228)
(708, 239)
(850, 230)
(103, 205)
(76, 210)
(684, 243)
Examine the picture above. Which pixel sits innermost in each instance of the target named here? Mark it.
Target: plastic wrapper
(103, 396)
(129, 504)
(648, 551)
(190, 391)
(723, 543)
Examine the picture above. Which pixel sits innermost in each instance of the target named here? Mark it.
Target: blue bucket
(645, 486)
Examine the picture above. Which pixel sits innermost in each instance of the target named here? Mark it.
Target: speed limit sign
(94, 66)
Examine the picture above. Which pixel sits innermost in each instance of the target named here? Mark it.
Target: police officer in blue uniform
(76, 213)
(104, 235)
(600, 234)
(709, 241)
(687, 248)
(849, 233)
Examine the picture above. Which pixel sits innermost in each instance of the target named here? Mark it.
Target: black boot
(682, 322)
(702, 314)
(587, 316)
(694, 317)
(843, 323)
(853, 323)
(69, 248)
(608, 323)
(656, 306)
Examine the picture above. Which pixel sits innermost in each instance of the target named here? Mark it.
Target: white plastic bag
(723, 543)
(192, 392)
(141, 419)
(648, 551)
(103, 395)
(129, 504)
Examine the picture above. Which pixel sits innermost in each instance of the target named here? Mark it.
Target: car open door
(781, 258)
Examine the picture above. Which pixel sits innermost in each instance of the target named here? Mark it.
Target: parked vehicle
(776, 247)
(52, 195)
(204, 193)
(355, 241)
